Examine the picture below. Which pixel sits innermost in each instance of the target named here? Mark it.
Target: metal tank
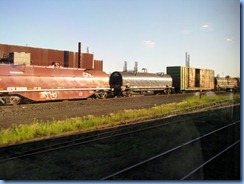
(39, 83)
(126, 83)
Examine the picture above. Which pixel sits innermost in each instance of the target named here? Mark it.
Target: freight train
(30, 83)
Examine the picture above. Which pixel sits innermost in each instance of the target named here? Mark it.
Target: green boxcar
(191, 79)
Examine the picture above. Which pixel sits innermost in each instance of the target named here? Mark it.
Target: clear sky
(155, 33)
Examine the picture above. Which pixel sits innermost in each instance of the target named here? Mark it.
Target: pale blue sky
(155, 33)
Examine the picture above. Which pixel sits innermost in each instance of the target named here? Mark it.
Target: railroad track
(105, 99)
(94, 100)
(137, 167)
(10, 154)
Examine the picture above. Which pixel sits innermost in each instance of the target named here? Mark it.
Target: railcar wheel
(14, 100)
(100, 95)
(127, 93)
(103, 95)
(2, 101)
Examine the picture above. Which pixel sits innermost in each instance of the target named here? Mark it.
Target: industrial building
(14, 54)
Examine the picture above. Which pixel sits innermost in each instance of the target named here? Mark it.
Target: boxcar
(191, 79)
(227, 83)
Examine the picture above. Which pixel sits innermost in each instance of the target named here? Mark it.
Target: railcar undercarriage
(10, 100)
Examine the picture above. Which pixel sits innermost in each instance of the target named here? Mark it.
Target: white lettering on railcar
(16, 72)
(80, 93)
(16, 88)
(48, 95)
(37, 88)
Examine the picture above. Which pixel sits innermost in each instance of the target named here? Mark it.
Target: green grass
(40, 129)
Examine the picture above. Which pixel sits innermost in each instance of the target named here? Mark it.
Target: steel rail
(166, 152)
(211, 159)
(86, 99)
(77, 141)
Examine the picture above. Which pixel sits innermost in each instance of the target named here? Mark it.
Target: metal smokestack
(88, 50)
(79, 54)
(187, 60)
(135, 68)
(125, 66)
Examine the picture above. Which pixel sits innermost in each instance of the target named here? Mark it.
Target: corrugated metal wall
(45, 57)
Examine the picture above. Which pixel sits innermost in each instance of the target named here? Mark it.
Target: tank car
(227, 83)
(21, 83)
(127, 83)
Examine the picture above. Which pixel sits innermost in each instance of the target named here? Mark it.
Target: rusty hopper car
(227, 83)
(191, 79)
(20, 83)
(127, 83)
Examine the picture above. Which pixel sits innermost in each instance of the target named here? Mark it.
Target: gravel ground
(26, 113)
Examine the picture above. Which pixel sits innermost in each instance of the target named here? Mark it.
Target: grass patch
(38, 129)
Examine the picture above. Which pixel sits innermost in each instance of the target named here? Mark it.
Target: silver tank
(140, 81)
